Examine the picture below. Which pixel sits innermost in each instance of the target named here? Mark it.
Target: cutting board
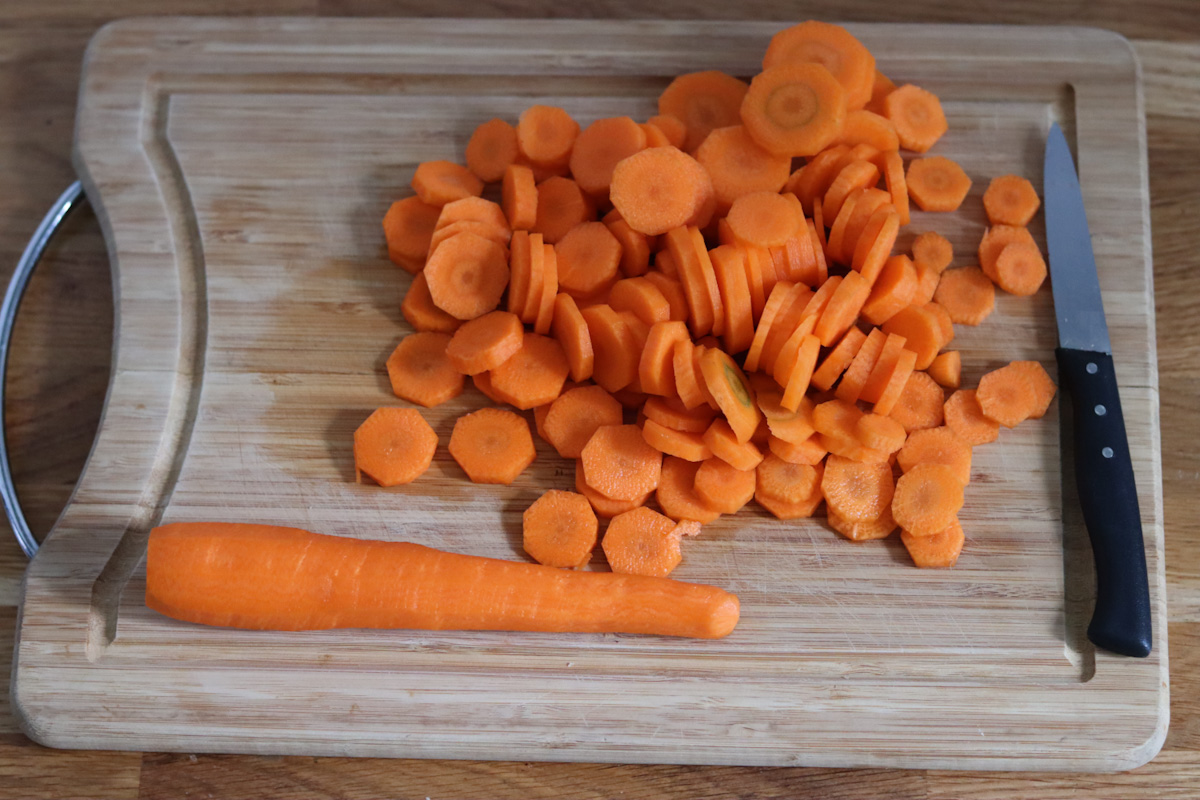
(240, 170)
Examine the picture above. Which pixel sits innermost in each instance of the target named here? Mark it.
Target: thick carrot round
(729, 267)
(693, 280)
(687, 378)
(875, 244)
(213, 574)
(600, 147)
(615, 361)
(863, 126)
(641, 298)
(797, 367)
(1020, 269)
(619, 464)
(658, 189)
(893, 290)
(937, 184)
(763, 219)
(843, 308)
(492, 445)
(671, 289)
(937, 446)
(672, 413)
(418, 308)
(588, 259)
(561, 205)
(880, 89)
(920, 404)
(856, 375)
(672, 127)
(834, 48)
(485, 342)
(467, 276)
(654, 136)
(838, 359)
(576, 415)
(642, 542)
(440, 182)
(722, 487)
(897, 184)
(863, 530)
(786, 482)
(854, 176)
(810, 181)
(927, 499)
(885, 366)
(880, 433)
(946, 369)
(724, 444)
(794, 109)
(491, 149)
(738, 166)
(945, 324)
(856, 491)
(868, 201)
(635, 247)
(407, 228)
(571, 330)
(1015, 392)
(894, 383)
(939, 550)
(519, 197)
(421, 373)
(1010, 200)
(802, 509)
(994, 240)
(560, 529)
(702, 101)
(835, 246)
(544, 317)
(1043, 387)
(965, 417)
(394, 446)
(534, 375)
(546, 134)
(967, 294)
(917, 115)
(927, 283)
(670, 442)
(605, 506)
(921, 331)
(933, 250)
(656, 369)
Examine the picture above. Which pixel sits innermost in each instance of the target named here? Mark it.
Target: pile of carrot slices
(692, 320)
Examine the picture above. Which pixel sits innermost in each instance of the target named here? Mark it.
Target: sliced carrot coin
(394, 446)
(723, 443)
(560, 529)
(946, 369)
(615, 360)
(421, 313)
(940, 550)
(885, 366)
(933, 250)
(642, 542)
(534, 375)
(875, 244)
(893, 290)
(863, 530)
(421, 373)
(492, 445)
(843, 308)
(683, 253)
(856, 375)
(838, 359)
(440, 182)
(722, 487)
(965, 417)
(786, 482)
(809, 452)
(570, 329)
(485, 342)
(895, 382)
(670, 442)
(687, 378)
(917, 115)
(576, 414)
(467, 276)
(729, 267)
(834, 48)
(937, 446)
(994, 240)
(605, 506)
(967, 294)
(1010, 200)
(673, 291)
(702, 101)
(407, 227)
(881, 433)
(794, 109)
(927, 499)
(656, 368)
(921, 331)
(920, 404)
(936, 183)
(677, 495)
(856, 491)
(728, 386)
(619, 464)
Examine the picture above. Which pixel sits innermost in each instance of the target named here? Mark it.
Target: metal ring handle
(8, 320)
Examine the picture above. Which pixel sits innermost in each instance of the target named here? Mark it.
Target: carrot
(475, 209)
(792, 425)
(867, 202)
(832, 47)
(920, 404)
(671, 127)
(851, 449)
(897, 184)
(677, 495)
(394, 446)
(605, 506)
(492, 445)
(543, 172)
(546, 135)
(701, 318)
(639, 333)
(575, 415)
(642, 542)
(763, 219)
(407, 228)
(215, 573)
(654, 136)
(881, 87)
(939, 550)
(738, 166)
(630, 398)
(561, 207)
(966, 294)
(794, 109)
(818, 250)
(421, 313)
(600, 147)
(945, 324)
(796, 363)
(885, 367)
(927, 499)
(843, 308)
(702, 347)
(802, 509)
(491, 149)
(932, 250)
(729, 266)
(869, 127)
(467, 276)
(635, 247)
(937, 446)
(687, 378)
(800, 314)
(421, 373)
(854, 176)
(481, 229)
(571, 330)
(520, 263)
(483, 382)
(917, 115)
(658, 189)
(534, 375)
(1020, 269)
(837, 418)
(892, 290)
(780, 298)
(672, 413)
(752, 262)
(723, 443)
(615, 363)
(670, 442)
(921, 331)
(855, 491)
(994, 240)
(485, 342)
(895, 382)
(733, 394)
(964, 416)
(863, 530)
(1007, 395)
(946, 369)
(879, 432)
(838, 359)
(1010, 200)
(619, 464)
(937, 184)
(1043, 387)
(724, 488)
(672, 290)
(786, 482)
(641, 298)
(856, 375)
(702, 101)
(440, 182)
(560, 529)
(809, 452)
(810, 181)
(927, 283)
(656, 369)
(519, 197)
(588, 257)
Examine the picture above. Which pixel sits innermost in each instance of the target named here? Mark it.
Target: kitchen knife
(1103, 470)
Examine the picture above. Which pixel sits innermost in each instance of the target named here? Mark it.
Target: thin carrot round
(794, 109)
(763, 219)
(619, 464)
(723, 443)
(1007, 395)
(933, 250)
(856, 375)
(588, 258)
(810, 181)
(869, 201)
(544, 317)
(677, 495)
(475, 209)
(546, 134)
(1043, 387)
(843, 309)
(467, 276)
(733, 394)
(576, 414)
(491, 149)
(440, 182)
(420, 371)
(418, 308)
(560, 529)
(723, 487)
(702, 101)
(937, 446)
(394, 446)
(408, 226)
(800, 510)
(658, 189)
(863, 530)
(615, 364)
(534, 375)
(854, 176)
(965, 417)
(738, 165)
(1020, 269)
(893, 290)
(939, 550)
(835, 246)
(885, 366)
(670, 442)
(672, 290)
(693, 280)
(571, 330)
(937, 184)
(967, 294)
(880, 89)
(786, 482)
(809, 452)
(863, 126)
(917, 115)
(897, 184)
(519, 197)
(605, 506)
(856, 491)
(920, 330)
(485, 342)
(672, 127)
(920, 404)
(946, 369)
(635, 247)
(656, 369)
(838, 359)
(687, 378)
(641, 298)
(672, 413)
(927, 283)
(880, 432)
(927, 499)
(492, 445)
(1010, 200)
(728, 266)
(642, 542)
(600, 147)
(561, 206)
(487, 231)
(994, 240)
(831, 46)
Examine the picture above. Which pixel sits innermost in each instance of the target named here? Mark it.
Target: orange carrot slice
(722, 487)
(1020, 269)
(763, 219)
(856, 491)
(880, 433)
(809, 452)
(788, 511)
(560, 529)
(600, 147)
(394, 446)
(575, 415)
(642, 542)
(1043, 387)
(659, 189)
(491, 149)
(672, 127)
(615, 362)
(656, 368)
(421, 313)
(727, 384)
(838, 359)
(892, 290)
(723, 443)
(939, 550)
(921, 331)
(994, 240)
(932, 250)
(672, 413)
(967, 294)
(729, 267)
(937, 446)
(863, 126)
(856, 375)
(702, 101)
(880, 89)
(843, 308)
(854, 176)
(863, 530)
(420, 371)
(897, 185)
(519, 197)
(794, 109)
(920, 404)
(408, 226)
(562, 205)
(571, 330)
(440, 182)
(635, 247)
(875, 244)
(467, 276)
(832, 47)
(738, 166)
(619, 464)
(786, 482)
(917, 115)
(885, 366)
(927, 499)
(676, 492)
(810, 181)
(895, 382)
(546, 134)
(534, 375)
(588, 259)
(670, 442)
(937, 184)
(1010, 200)
(965, 417)
(485, 342)
(605, 506)
(946, 369)
(492, 445)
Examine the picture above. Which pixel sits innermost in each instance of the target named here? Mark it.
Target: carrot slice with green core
(492, 445)
(619, 464)
(794, 109)
(1010, 200)
(728, 386)
(467, 276)
(534, 375)
(834, 48)
(856, 491)
(937, 184)
(723, 487)
(927, 499)
(702, 101)
(394, 446)
(937, 446)
(917, 115)
(440, 182)
(560, 529)
(421, 373)
(939, 551)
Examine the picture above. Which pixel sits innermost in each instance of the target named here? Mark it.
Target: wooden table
(60, 363)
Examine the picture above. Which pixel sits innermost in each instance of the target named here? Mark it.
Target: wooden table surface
(60, 362)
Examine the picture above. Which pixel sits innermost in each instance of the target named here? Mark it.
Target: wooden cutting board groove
(240, 169)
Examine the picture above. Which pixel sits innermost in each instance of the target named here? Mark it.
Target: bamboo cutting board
(240, 169)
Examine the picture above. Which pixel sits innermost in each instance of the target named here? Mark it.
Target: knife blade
(1103, 467)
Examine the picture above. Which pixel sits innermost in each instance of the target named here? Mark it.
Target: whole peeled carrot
(263, 577)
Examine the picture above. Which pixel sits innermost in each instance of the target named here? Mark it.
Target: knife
(1103, 469)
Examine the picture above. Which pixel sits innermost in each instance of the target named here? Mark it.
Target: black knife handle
(1108, 496)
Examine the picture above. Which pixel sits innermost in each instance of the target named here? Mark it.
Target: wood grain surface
(64, 326)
